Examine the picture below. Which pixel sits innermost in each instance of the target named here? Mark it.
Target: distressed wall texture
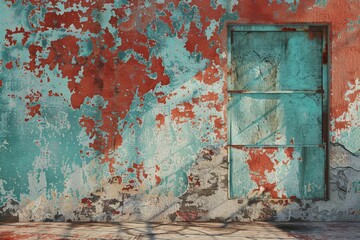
(116, 110)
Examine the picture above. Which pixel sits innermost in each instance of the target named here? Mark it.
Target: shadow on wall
(206, 200)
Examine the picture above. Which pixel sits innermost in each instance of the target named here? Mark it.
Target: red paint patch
(140, 171)
(188, 216)
(210, 96)
(260, 163)
(53, 20)
(61, 53)
(157, 67)
(289, 152)
(86, 201)
(33, 51)
(117, 140)
(209, 76)
(182, 113)
(33, 97)
(161, 120)
(158, 179)
(139, 121)
(34, 110)
(194, 181)
(51, 94)
(119, 179)
(219, 128)
(9, 65)
(89, 125)
(128, 187)
(161, 97)
(18, 31)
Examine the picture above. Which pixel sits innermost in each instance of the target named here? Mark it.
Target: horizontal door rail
(276, 92)
(278, 146)
(277, 28)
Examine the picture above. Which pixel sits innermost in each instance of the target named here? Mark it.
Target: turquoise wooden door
(277, 112)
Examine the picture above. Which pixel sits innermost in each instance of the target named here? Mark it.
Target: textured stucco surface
(116, 110)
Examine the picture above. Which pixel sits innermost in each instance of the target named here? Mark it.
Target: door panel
(268, 61)
(275, 119)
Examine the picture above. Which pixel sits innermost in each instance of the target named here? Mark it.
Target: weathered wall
(116, 110)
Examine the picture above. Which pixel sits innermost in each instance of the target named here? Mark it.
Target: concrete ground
(196, 231)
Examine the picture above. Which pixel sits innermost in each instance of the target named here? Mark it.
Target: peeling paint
(116, 111)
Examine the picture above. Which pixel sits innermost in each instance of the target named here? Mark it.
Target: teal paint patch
(275, 119)
(270, 61)
(103, 16)
(86, 47)
(153, 76)
(51, 142)
(16, 156)
(124, 56)
(294, 4)
(227, 4)
(41, 138)
(240, 183)
(322, 3)
(213, 4)
(120, 3)
(301, 173)
(184, 15)
(158, 30)
(350, 140)
(179, 64)
(233, 16)
(209, 31)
